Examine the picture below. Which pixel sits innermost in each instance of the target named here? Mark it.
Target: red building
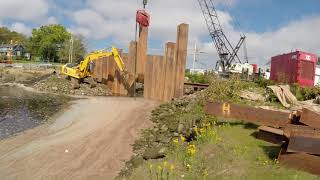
(296, 67)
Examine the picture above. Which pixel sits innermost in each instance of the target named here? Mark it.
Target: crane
(227, 53)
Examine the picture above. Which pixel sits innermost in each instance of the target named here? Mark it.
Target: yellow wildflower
(151, 167)
(171, 167)
(191, 150)
(202, 130)
(165, 163)
(183, 139)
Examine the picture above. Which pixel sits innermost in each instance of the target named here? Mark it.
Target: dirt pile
(60, 85)
(23, 76)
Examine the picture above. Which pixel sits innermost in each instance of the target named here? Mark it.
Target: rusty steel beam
(304, 144)
(291, 130)
(270, 137)
(300, 161)
(259, 116)
(310, 118)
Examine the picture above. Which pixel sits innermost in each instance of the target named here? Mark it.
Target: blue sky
(269, 15)
(272, 26)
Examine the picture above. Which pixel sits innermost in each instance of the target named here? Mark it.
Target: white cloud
(52, 20)
(21, 28)
(115, 19)
(31, 10)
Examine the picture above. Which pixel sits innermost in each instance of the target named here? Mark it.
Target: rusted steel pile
(298, 133)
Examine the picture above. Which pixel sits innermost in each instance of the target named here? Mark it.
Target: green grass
(225, 151)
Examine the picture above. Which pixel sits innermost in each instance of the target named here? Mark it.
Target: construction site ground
(47, 134)
(92, 139)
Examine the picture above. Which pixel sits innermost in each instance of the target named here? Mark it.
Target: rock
(155, 153)
(164, 128)
(55, 88)
(317, 100)
(180, 128)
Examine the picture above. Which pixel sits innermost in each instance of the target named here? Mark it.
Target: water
(21, 110)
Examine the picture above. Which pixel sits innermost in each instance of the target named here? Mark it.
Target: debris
(317, 100)
(310, 118)
(56, 84)
(253, 96)
(284, 95)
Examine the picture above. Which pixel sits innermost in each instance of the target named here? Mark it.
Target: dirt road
(91, 140)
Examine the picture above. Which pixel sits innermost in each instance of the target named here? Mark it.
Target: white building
(317, 77)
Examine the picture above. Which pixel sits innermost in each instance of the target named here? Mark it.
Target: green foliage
(262, 82)
(79, 50)
(198, 78)
(226, 89)
(305, 93)
(7, 35)
(46, 41)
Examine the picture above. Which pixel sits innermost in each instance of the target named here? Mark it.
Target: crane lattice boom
(227, 53)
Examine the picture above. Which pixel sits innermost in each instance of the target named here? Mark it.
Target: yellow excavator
(86, 68)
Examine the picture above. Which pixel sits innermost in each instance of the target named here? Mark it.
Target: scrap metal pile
(298, 132)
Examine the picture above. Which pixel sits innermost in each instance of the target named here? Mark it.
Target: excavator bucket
(127, 79)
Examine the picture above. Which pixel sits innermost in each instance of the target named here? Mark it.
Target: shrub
(305, 93)
(199, 78)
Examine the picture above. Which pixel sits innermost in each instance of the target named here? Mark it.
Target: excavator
(85, 69)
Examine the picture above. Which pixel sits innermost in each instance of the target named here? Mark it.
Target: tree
(7, 35)
(47, 41)
(79, 50)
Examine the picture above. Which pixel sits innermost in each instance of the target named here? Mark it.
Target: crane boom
(227, 53)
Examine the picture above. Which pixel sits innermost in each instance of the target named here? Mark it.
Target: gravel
(60, 85)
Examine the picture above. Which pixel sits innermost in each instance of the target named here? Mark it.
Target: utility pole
(10, 51)
(194, 57)
(71, 50)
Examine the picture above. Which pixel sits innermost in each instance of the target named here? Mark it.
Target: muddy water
(21, 110)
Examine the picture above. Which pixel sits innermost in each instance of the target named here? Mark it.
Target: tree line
(49, 43)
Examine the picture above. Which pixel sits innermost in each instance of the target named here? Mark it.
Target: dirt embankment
(89, 141)
(49, 80)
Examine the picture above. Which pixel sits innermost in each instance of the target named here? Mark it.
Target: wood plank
(181, 57)
(148, 78)
(142, 49)
(169, 84)
(131, 64)
(111, 69)
(310, 118)
(155, 79)
(300, 161)
(99, 69)
(162, 78)
(248, 114)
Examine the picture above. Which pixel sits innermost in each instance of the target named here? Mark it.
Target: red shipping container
(255, 68)
(296, 67)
